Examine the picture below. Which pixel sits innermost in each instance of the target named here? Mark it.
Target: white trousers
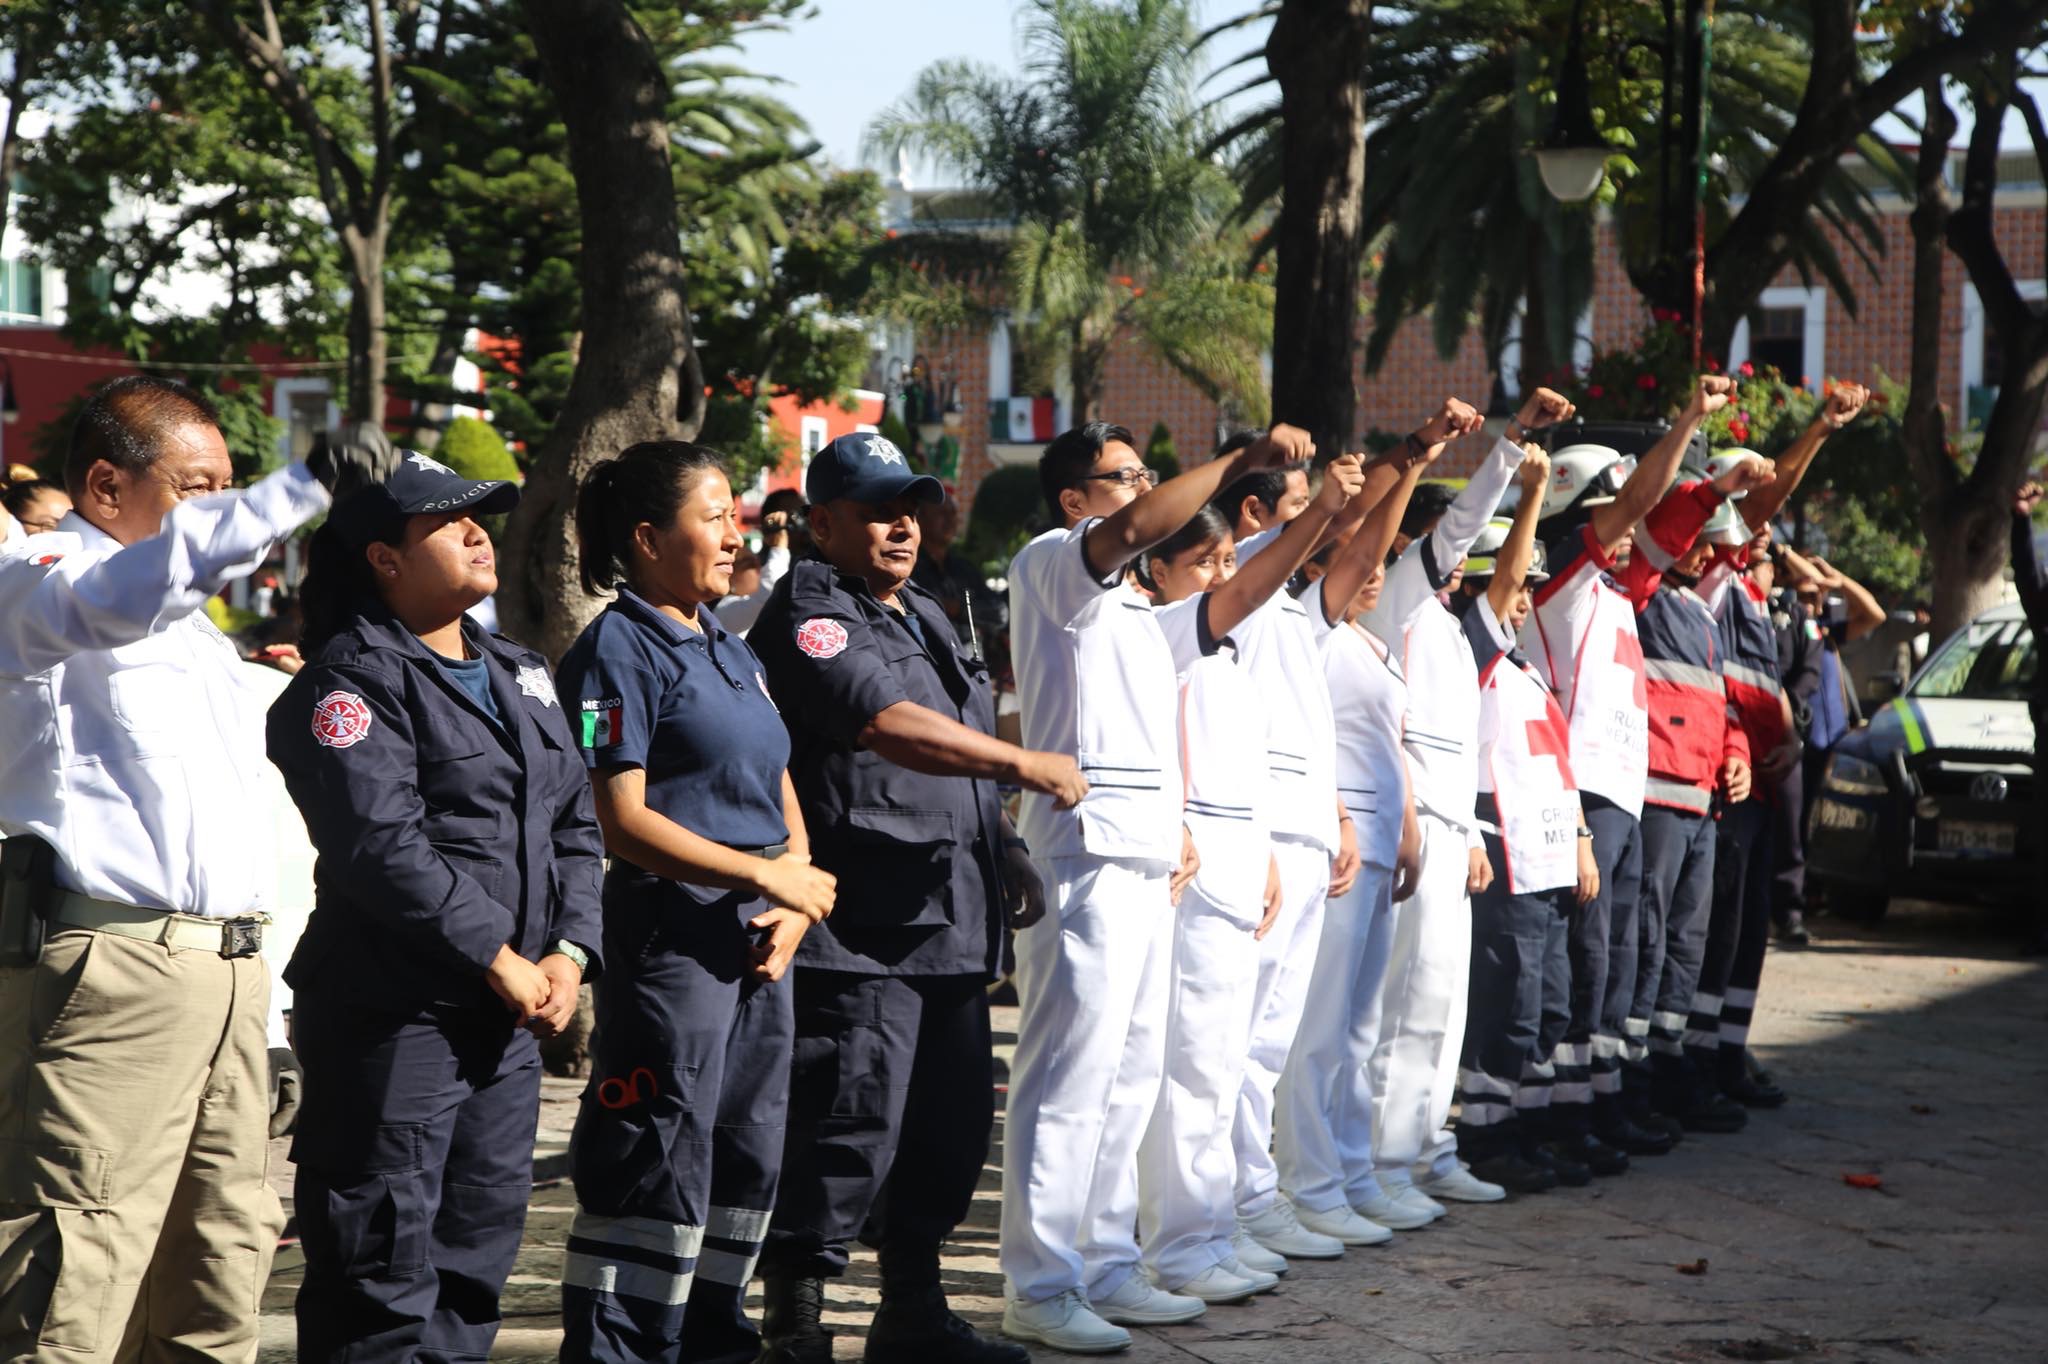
(1422, 1012)
(1187, 1205)
(1322, 1138)
(1287, 957)
(1092, 982)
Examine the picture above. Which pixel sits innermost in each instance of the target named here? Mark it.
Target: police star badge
(430, 464)
(535, 682)
(885, 450)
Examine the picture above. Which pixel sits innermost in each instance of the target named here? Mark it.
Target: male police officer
(134, 1084)
(893, 755)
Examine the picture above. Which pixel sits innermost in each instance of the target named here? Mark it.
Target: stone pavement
(1916, 1052)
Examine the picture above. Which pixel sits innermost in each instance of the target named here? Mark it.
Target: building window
(1983, 359)
(1788, 329)
(1777, 336)
(811, 436)
(21, 289)
(306, 407)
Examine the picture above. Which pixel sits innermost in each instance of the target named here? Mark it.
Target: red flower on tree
(1746, 370)
(1595, 391)
(1646, 381)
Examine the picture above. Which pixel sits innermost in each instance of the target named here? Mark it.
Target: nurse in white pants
(1323, 1138)
(1186, 1170)
(1096, 679)
(1422, 1018)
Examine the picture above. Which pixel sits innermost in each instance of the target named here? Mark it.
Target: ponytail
(648, 482)
(337, 586)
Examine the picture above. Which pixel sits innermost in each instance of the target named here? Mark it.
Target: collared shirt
(1067, 624)
(916, 854)
(1280, 643)
(134, 745)
(691, 707)
(1369, 700)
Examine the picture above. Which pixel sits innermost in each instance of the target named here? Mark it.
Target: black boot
(1743, 1083)
(1585, 1149)
(1612, 1124)
(792, 1322)
(915, 1326)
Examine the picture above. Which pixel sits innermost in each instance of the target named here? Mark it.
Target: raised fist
(1454, 419)
(1280, 448)
(1715, 391)
(1844, 401)
(1535, 470)
(1342, 482)
(351, 457)
(1753, 471)
(1545, 407)
(2026, 499)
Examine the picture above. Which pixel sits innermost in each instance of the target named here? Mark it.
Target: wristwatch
(563, 947)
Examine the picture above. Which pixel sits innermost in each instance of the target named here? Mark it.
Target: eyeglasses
(1130, 476)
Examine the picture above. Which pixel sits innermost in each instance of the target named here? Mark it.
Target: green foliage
(1007, 509)
(474, 449)
(1095, 158)
(1160, 456)
(1457, 92)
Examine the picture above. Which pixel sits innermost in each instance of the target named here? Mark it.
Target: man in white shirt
(1422, 1019)
(1096, 679)
(134, 1075)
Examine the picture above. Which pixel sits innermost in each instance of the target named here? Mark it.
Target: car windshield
(1988, 660)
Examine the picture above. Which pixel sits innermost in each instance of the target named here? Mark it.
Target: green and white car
(1934, 799)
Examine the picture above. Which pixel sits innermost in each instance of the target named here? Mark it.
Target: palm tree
(1456, 89)
(1095, 157)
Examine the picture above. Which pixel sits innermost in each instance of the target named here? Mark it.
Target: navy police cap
(418, 485)
(866, 467)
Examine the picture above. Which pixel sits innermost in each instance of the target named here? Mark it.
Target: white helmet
(1726, 526)
(1484, 552)
(1585, 476)
(1722, 462)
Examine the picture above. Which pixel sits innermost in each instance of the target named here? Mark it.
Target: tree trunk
(612, 95)
(1087, 361)
(1924, 424)
(10, 145)
(1317, 52)
(1538, 365)
(368, 345)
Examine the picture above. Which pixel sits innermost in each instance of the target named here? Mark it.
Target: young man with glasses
(1096, 679)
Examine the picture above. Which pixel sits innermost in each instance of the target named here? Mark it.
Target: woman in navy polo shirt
(710, 890)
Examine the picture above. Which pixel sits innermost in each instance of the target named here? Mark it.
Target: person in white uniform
(1323, 1137)
(1186, 1169)
(134, 1075)
(1422, 1014)
(1092, 974)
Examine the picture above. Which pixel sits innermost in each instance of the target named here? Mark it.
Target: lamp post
(1573, 157)
(10, 408)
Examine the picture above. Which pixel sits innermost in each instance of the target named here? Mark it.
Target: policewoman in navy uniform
(455, 915)
(895, 761)
(679, 1140)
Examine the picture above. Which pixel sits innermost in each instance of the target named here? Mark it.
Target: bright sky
(853, 58)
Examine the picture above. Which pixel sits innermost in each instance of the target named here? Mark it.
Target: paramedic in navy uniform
(455, 915)
(679, 1139)
(892, 750)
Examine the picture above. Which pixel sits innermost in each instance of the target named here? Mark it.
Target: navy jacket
(916, 856)
(441, 836)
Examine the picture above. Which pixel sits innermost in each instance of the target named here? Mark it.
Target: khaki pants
(134, 1100)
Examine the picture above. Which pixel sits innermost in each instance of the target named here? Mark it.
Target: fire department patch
(340, 720)
(821, 637)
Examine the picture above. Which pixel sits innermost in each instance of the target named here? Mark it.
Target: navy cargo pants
(679, 1138)
(891, 1104)
(415, 1166)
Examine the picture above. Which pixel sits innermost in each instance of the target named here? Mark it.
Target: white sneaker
(1254, 1256)
(1267, 1280)
(1412, 1197)
(1218, 1284)
(1461, 1186)
(1140, 1302)
(1065, 1323)
(1278, 1230)
(1387, 1209)
(1347, 1226)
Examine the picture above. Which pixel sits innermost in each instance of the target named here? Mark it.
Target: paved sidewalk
(1917, 1052)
